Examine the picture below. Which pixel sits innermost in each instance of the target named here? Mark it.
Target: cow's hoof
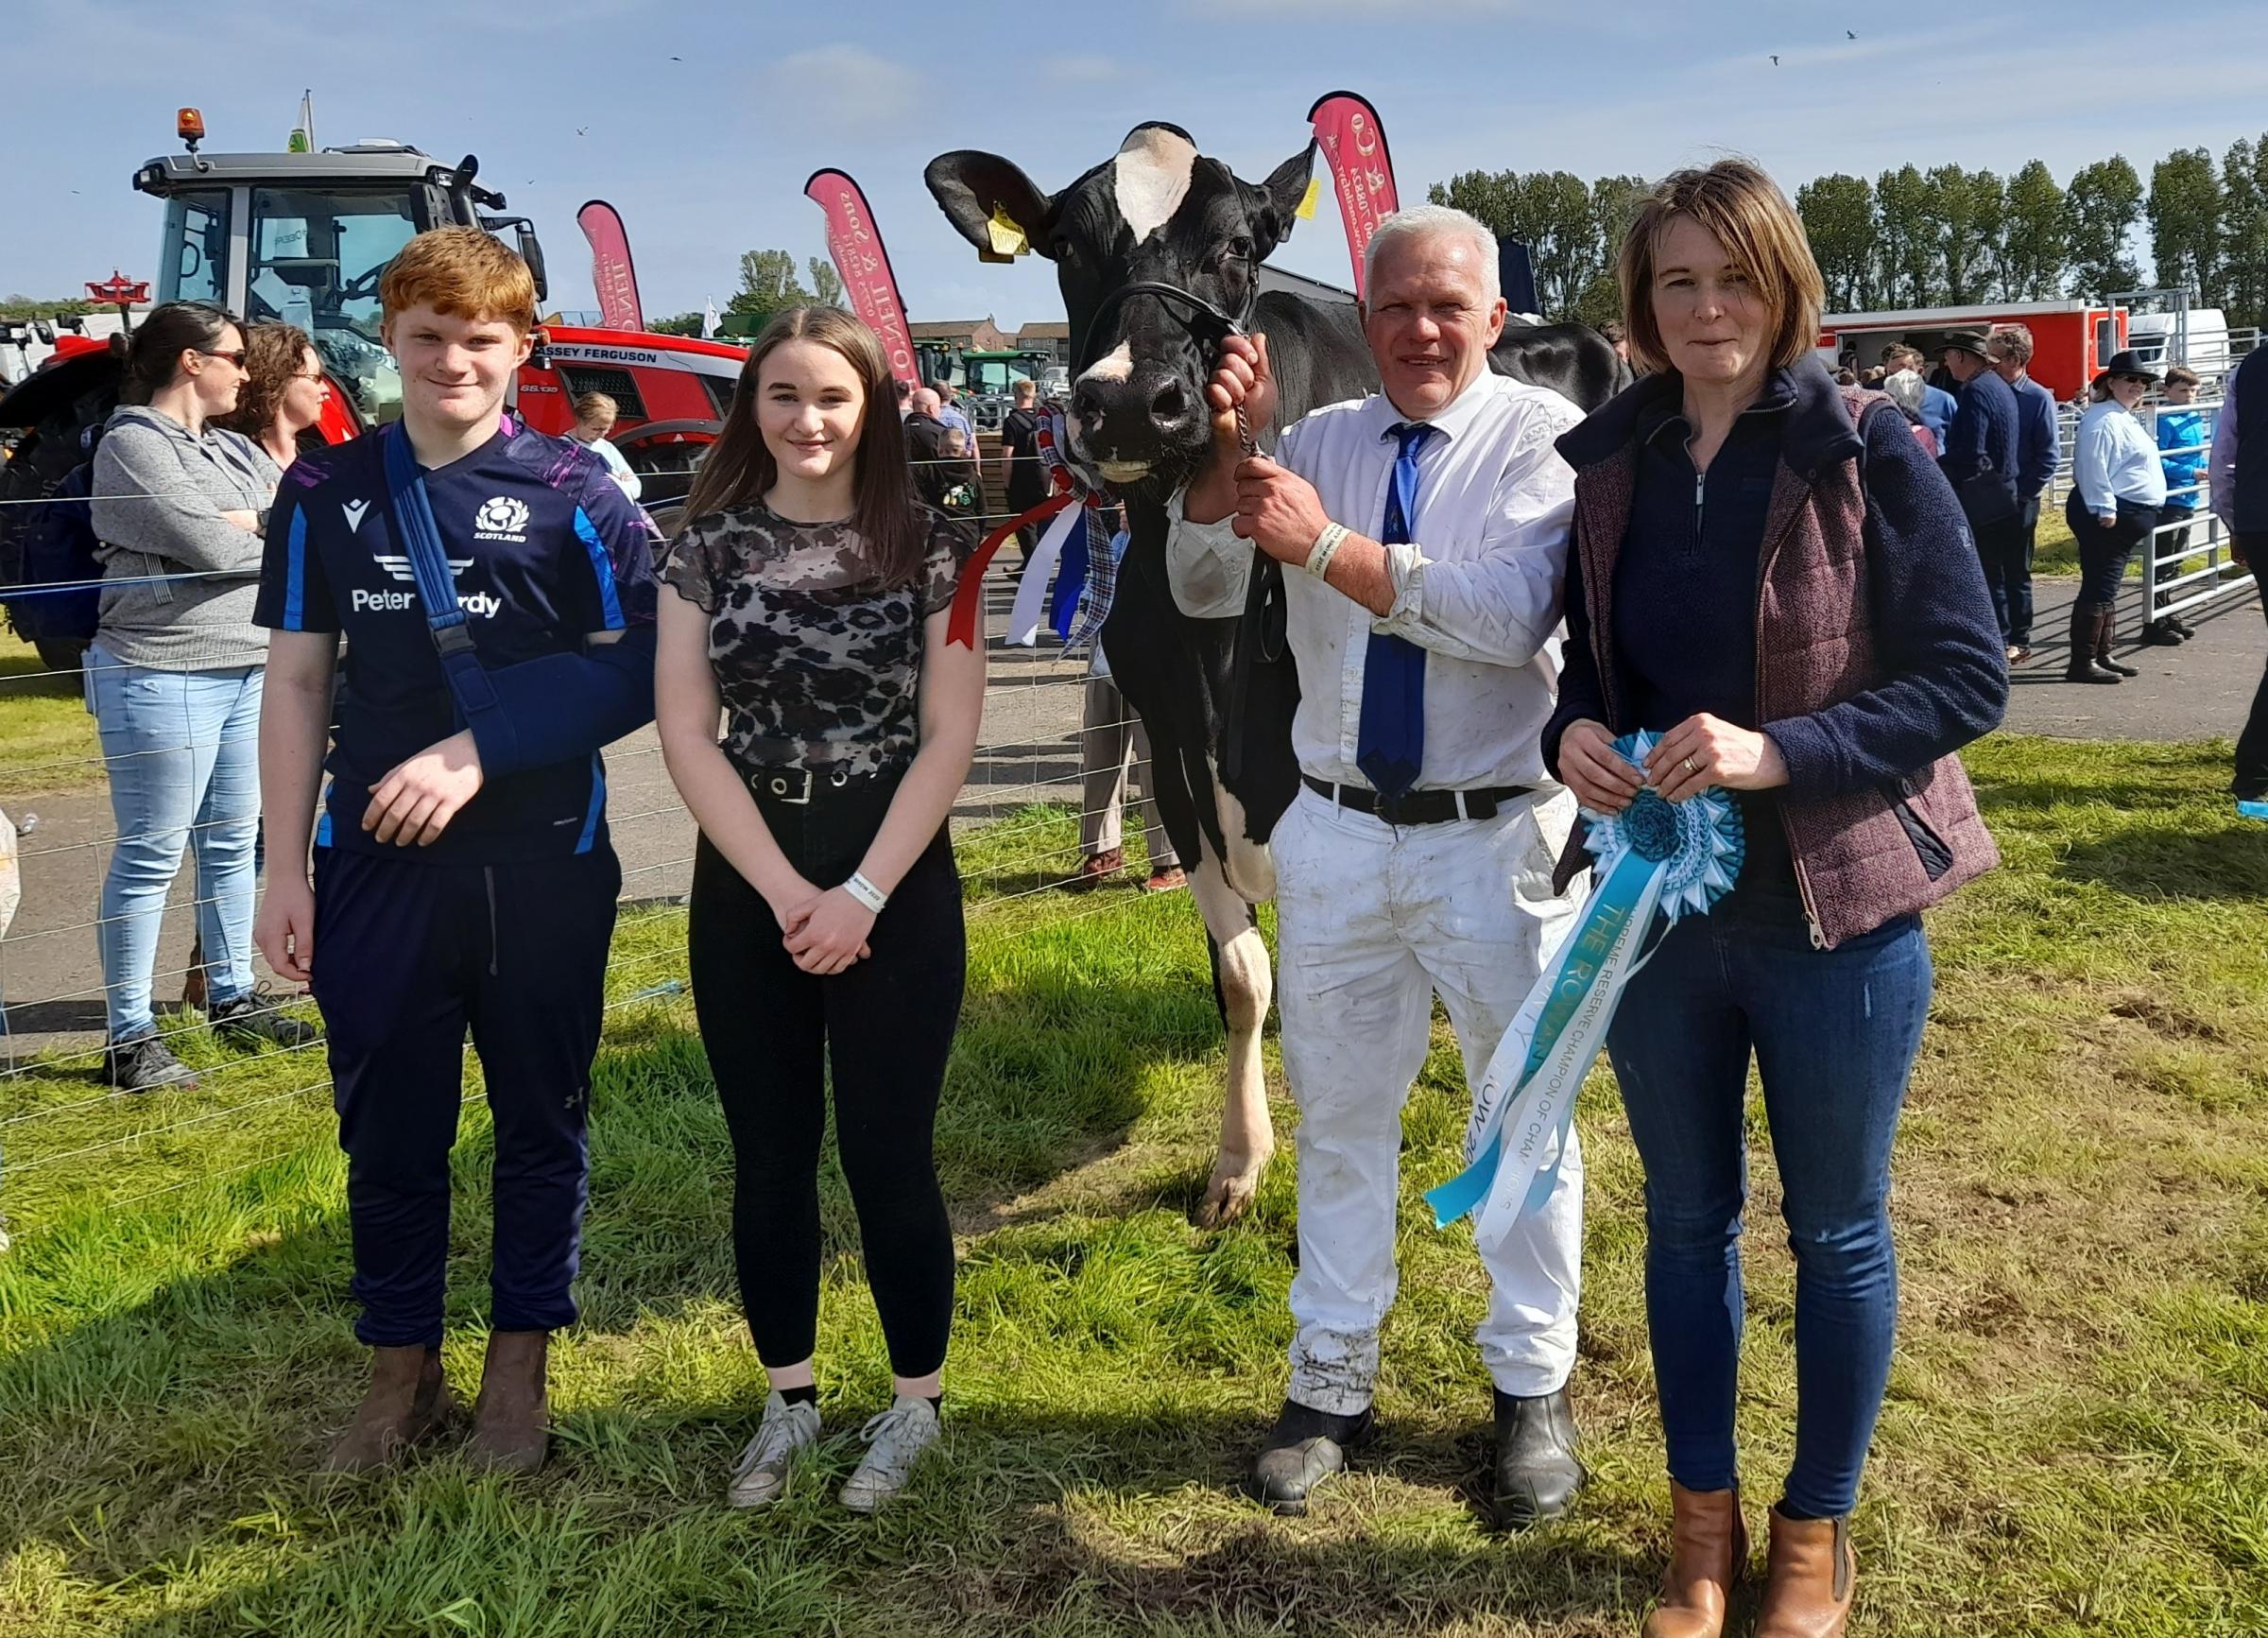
(1227, 1197)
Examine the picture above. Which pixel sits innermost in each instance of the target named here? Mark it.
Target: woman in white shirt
(2118, 490)
(594, 416)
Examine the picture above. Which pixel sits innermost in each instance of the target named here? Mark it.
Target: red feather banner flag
(611, 274)
(869, 284)
(1355, 144)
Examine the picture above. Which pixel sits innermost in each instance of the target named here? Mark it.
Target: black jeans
(2103, 553)
(2006, 548)
(884, 1027)
(2251, 782)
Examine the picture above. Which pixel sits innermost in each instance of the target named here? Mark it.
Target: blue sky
(706, 155)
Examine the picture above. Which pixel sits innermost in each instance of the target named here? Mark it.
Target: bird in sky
(1849, 35)
(582, 130)
(1775, 61)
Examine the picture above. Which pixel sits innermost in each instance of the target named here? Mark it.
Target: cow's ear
(976, 190)
(1277, 200)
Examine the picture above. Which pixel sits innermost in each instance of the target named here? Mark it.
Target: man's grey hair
(2012, 339)
(1434, 222)
(1907, 389)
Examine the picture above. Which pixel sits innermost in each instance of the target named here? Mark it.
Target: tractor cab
(304, 237)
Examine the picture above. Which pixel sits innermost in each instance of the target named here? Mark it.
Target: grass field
(46, 738)
(2076, 1439)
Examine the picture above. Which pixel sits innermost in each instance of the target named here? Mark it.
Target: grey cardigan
(158, 494)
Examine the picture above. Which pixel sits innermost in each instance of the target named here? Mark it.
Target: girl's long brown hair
(739, 469)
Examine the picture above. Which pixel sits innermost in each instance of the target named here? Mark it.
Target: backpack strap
(469, 684)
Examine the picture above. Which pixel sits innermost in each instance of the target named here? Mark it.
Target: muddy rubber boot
(511, 1420)
(2082, 666)
(1709, 1549)
(406, 1402)
(2106, 631)
(1807, 1579)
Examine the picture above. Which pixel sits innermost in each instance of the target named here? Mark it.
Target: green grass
(46, 738)
(2076, 1439)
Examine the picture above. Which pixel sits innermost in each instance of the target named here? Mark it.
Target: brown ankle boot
(2107, 632)
(1808, 1579)
(1708, 1548)
(408, 1399)
(511, 1422)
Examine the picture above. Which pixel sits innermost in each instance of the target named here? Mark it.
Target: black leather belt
(798, 786)
(1421, 807)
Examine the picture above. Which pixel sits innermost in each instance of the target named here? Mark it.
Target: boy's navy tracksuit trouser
(408, 954)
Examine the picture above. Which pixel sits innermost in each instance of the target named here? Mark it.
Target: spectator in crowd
(2038, 452)
(951, 414)
(1115, 754)
(1411, 860)
(2237, 482)
(1937, 405)
(1835, 732)
(826, 930)
(905, 396)
(925, 447)
(284, 393)
(463, 876)
(1617, 338)
(1905, 389)
(2118, 487)
(174, 680)
(1981, 461)
(963, 498)
(2185, 436)
(595, 414)
(1846, 378)
(1027, 471)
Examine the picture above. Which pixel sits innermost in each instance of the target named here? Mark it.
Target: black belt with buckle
(798, 786)
(1420, 807)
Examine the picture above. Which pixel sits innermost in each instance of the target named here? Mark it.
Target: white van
(2201, 342)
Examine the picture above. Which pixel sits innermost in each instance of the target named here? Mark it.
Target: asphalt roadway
(1029, 752)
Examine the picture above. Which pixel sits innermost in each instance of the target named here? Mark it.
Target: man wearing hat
(2238, 477)
(1980, 460)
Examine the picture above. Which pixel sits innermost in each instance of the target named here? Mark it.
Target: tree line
(1946, 236)
(768, 282)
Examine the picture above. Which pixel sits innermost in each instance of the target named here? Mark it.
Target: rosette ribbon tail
(968, 596)
(1653, 862)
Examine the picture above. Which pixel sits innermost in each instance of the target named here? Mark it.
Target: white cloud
(845, 86)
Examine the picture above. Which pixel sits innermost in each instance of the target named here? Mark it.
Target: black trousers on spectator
(2006, 548)
(2251, 782)
(883, 1026)
(2103, 553)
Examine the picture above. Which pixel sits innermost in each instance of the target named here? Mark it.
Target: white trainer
(787, 1432)
(895, 1440)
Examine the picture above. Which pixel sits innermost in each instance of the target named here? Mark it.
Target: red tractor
(304, 237)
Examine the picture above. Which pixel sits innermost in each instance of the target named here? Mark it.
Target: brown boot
(1808, 1579)
(1709, 1549)
(511, 1421)
(408, 1401)
(2107, 632)
(2081, 667)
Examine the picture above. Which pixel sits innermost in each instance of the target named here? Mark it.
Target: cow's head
(1155, 212)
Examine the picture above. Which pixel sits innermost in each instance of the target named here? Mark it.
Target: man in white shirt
(1425, 534)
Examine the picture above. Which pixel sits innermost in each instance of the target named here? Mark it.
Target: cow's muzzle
(1133, 416)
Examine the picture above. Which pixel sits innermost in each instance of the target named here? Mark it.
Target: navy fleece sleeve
(1965, 442)
(1580, 694)
(1935, 641)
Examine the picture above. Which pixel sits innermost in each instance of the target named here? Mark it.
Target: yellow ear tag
(1306, 210)
(1007, 238)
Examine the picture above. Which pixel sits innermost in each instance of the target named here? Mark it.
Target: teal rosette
(1652, 863)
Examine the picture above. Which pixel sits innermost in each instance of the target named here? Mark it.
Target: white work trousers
(1371, 920)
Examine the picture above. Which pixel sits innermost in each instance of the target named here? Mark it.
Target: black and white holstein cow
(1159, 212)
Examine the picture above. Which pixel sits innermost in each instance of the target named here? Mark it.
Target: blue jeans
(1834, 1033)
(182, 753)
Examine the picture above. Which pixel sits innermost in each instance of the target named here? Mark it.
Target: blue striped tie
(1389, 739)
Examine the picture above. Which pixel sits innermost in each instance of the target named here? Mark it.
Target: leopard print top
(817, 662)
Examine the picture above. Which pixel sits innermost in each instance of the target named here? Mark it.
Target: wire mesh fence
(1056, 763)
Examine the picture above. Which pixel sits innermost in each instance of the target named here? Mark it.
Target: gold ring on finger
(1690, 767)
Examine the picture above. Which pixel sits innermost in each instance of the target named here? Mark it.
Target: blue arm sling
(543, 710)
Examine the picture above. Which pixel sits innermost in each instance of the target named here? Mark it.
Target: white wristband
(865, 892)
(1326, 547)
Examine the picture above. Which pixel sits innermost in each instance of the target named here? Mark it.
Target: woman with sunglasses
(173, 679)
(2118, 488)
(284, 390)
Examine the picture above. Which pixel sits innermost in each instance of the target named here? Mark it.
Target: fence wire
(1033, 810)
